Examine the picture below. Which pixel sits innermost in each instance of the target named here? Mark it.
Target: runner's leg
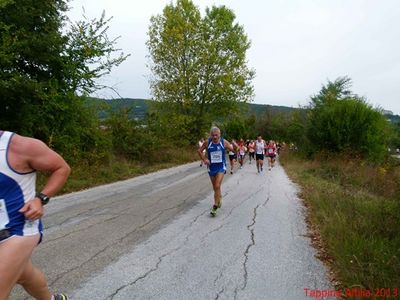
(216, 182)
(15, 254)
(34, 282)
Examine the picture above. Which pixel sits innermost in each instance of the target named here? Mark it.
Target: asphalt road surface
(152, 237)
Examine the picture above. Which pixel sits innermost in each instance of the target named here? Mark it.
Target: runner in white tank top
(260, 150)
(21, 209)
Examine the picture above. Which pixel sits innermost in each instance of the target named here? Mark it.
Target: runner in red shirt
(271, 153)
(252, 150)
(241, 152)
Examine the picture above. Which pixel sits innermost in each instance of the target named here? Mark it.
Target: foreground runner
(21, 209)
(216, 161)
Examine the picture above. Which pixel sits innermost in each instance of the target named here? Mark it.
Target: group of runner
(238, 155)
(21, 206)
(212, 153)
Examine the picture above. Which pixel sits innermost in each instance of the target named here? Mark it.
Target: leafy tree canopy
(198, 63)
(46, 61)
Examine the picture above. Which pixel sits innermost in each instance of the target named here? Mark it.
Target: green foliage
(124, 134)
(30, 46)
(170, 125)
(43, 66)
(199, 64)
(77, 133)
(395, 138)
(295, 128)
(332, 92)
(339, 121)
(282, 126)
(236, 127)
(147, 140)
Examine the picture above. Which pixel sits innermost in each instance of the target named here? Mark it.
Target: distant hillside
(139, 107)
(260, 109)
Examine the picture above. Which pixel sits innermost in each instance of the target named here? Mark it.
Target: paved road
(151, 237)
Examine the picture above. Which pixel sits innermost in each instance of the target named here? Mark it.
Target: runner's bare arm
(229, 146)
(32, 154)
(201, 154)
(41, 158)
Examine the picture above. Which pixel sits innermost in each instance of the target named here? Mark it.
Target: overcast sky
(297, 45)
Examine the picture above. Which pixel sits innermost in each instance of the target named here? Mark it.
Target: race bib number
(216, 157)
(3, 215)
(270, 151)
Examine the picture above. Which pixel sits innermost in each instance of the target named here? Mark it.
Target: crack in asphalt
(168, 253)
(160, 259)
(114, 215)
(79, 230)
(71, 218)
(202, 239)
(221, 273)
(104, 249)
(109, 205)
(197, 218)
(116, 241)
(219, 294)
(247, 248)
(250, 227)
(250, 196)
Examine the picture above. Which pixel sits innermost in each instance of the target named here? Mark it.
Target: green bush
(341, 124)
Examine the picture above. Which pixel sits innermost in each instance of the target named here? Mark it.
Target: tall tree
(30, 47)
(199, 64)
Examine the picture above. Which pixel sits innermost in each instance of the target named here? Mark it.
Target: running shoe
(60, 297)
(231, 172)
(213, 211)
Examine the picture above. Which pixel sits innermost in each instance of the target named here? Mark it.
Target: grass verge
(354, 217)
(85, 175)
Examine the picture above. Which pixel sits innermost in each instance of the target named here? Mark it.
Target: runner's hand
(33, 209)
(207, 162)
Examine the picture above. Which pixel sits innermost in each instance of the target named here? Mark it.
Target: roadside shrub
(342, 124)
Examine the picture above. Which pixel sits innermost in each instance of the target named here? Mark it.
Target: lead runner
(216, 162)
